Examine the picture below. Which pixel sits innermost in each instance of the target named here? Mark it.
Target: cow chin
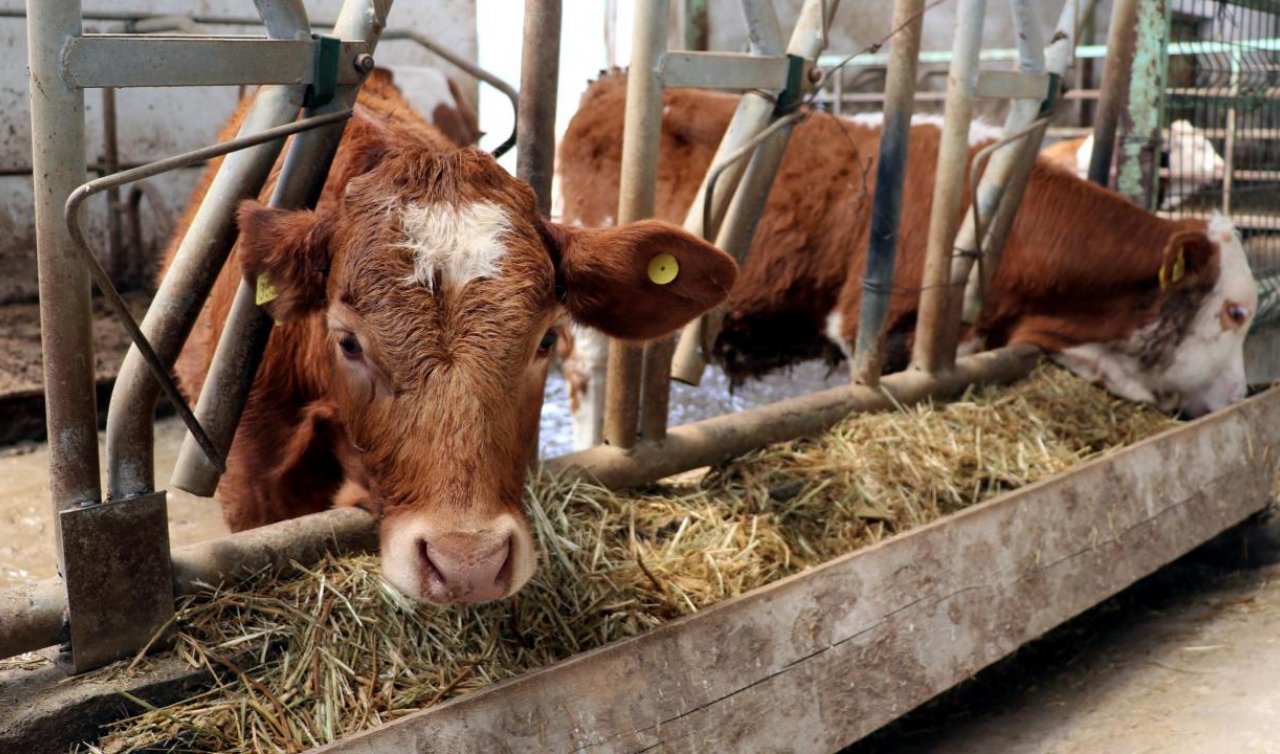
(438, 564)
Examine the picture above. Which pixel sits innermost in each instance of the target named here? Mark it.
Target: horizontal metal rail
(725, 71)
(76, 200)
(128, 60)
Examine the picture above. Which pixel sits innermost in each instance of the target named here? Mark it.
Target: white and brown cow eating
(1153, 310)
(418, 305)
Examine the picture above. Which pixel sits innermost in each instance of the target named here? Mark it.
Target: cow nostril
(503, 580)
(431, 574)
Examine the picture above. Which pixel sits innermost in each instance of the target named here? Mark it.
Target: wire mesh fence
(1222, 118)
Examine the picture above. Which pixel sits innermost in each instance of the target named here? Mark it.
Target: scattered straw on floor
(322, 652)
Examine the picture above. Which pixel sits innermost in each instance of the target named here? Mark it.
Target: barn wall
(159, 122)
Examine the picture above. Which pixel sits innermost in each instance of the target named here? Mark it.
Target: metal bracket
(324, 80)
(789, 98)
(119, 578)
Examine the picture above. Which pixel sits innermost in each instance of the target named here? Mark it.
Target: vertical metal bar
(636, 199)
(58, 159)
(886, 208)
(930, 351)
(1229, 143)
(1115, 83)
(247, 329)
(1138, 166)
(536, 118)
(117, 262)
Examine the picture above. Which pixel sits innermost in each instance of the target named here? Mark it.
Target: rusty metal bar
(111, 164)
(930, 351)
(1139, 159)
(640, 139)
(536, 110)
(886, 208)
(247, 329)
(1115, 83)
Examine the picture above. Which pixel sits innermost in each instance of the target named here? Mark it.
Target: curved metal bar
(713, 174)
(471, 69)
(72, 214)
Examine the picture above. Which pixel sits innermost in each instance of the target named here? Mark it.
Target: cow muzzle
(438, 566)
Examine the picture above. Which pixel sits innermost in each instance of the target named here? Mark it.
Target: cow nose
(465, 567)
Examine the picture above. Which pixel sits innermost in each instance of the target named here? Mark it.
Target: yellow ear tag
(1175, 274)
(265, 292)
(663, 269)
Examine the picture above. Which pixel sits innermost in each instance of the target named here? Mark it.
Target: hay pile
(326, 651)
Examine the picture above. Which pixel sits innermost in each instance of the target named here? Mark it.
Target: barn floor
(1185, 662)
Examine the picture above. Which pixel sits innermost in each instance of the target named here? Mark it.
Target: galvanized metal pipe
(536, 110)
(58, 151)
(886, 207)
(930, 351)
(111, 164)
(247, 329)
(1115, 83)
(640, 139)
(753, 114)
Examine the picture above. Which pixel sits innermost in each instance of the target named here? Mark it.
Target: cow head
(1189, 356)
(442, 293)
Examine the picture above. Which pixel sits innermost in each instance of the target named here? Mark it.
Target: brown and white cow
(418, 305)
(1081, 275)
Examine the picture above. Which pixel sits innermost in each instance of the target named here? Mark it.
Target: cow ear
(639, 281)
(285, 255)
(1188, 255)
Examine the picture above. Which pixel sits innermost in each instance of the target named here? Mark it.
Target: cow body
(1080, 275)
(418, 305)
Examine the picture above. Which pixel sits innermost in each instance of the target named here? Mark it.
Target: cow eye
(350, 346)
(545, 345)
(1237, 313)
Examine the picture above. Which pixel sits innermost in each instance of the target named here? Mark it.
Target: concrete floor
(1186, 662)
(26, 515)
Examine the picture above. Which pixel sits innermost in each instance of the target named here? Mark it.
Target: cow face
(1190, 357)
(443, 293)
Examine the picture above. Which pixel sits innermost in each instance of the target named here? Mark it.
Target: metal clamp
(324, 79)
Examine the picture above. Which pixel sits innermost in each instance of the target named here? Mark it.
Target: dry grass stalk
(333, 650)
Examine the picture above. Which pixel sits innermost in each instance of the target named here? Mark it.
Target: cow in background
(1153, 310)
(1193, 162)
(418, 306)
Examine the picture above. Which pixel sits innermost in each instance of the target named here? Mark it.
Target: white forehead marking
(460, 244)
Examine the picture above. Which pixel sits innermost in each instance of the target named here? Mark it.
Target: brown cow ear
(1188, 255)
(639, 281)
(285, 255)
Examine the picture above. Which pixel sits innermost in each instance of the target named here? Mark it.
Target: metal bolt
(364, 62)
(815, 75)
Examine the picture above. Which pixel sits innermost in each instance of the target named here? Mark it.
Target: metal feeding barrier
(727, 205)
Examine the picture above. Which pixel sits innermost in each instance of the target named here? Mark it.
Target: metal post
(886, 208)
(247, 329)
(635, 202)
(58, 159)
(1115, 83)
(696, 29)
(111, 164)
(1229, 142)
(536, 118)
(1138, 166)
(930, 351)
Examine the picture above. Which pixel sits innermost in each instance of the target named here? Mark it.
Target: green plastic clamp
(790, 97)
(324, 79)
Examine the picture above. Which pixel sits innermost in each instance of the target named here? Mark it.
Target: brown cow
(1081, 275)
(418, 305)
